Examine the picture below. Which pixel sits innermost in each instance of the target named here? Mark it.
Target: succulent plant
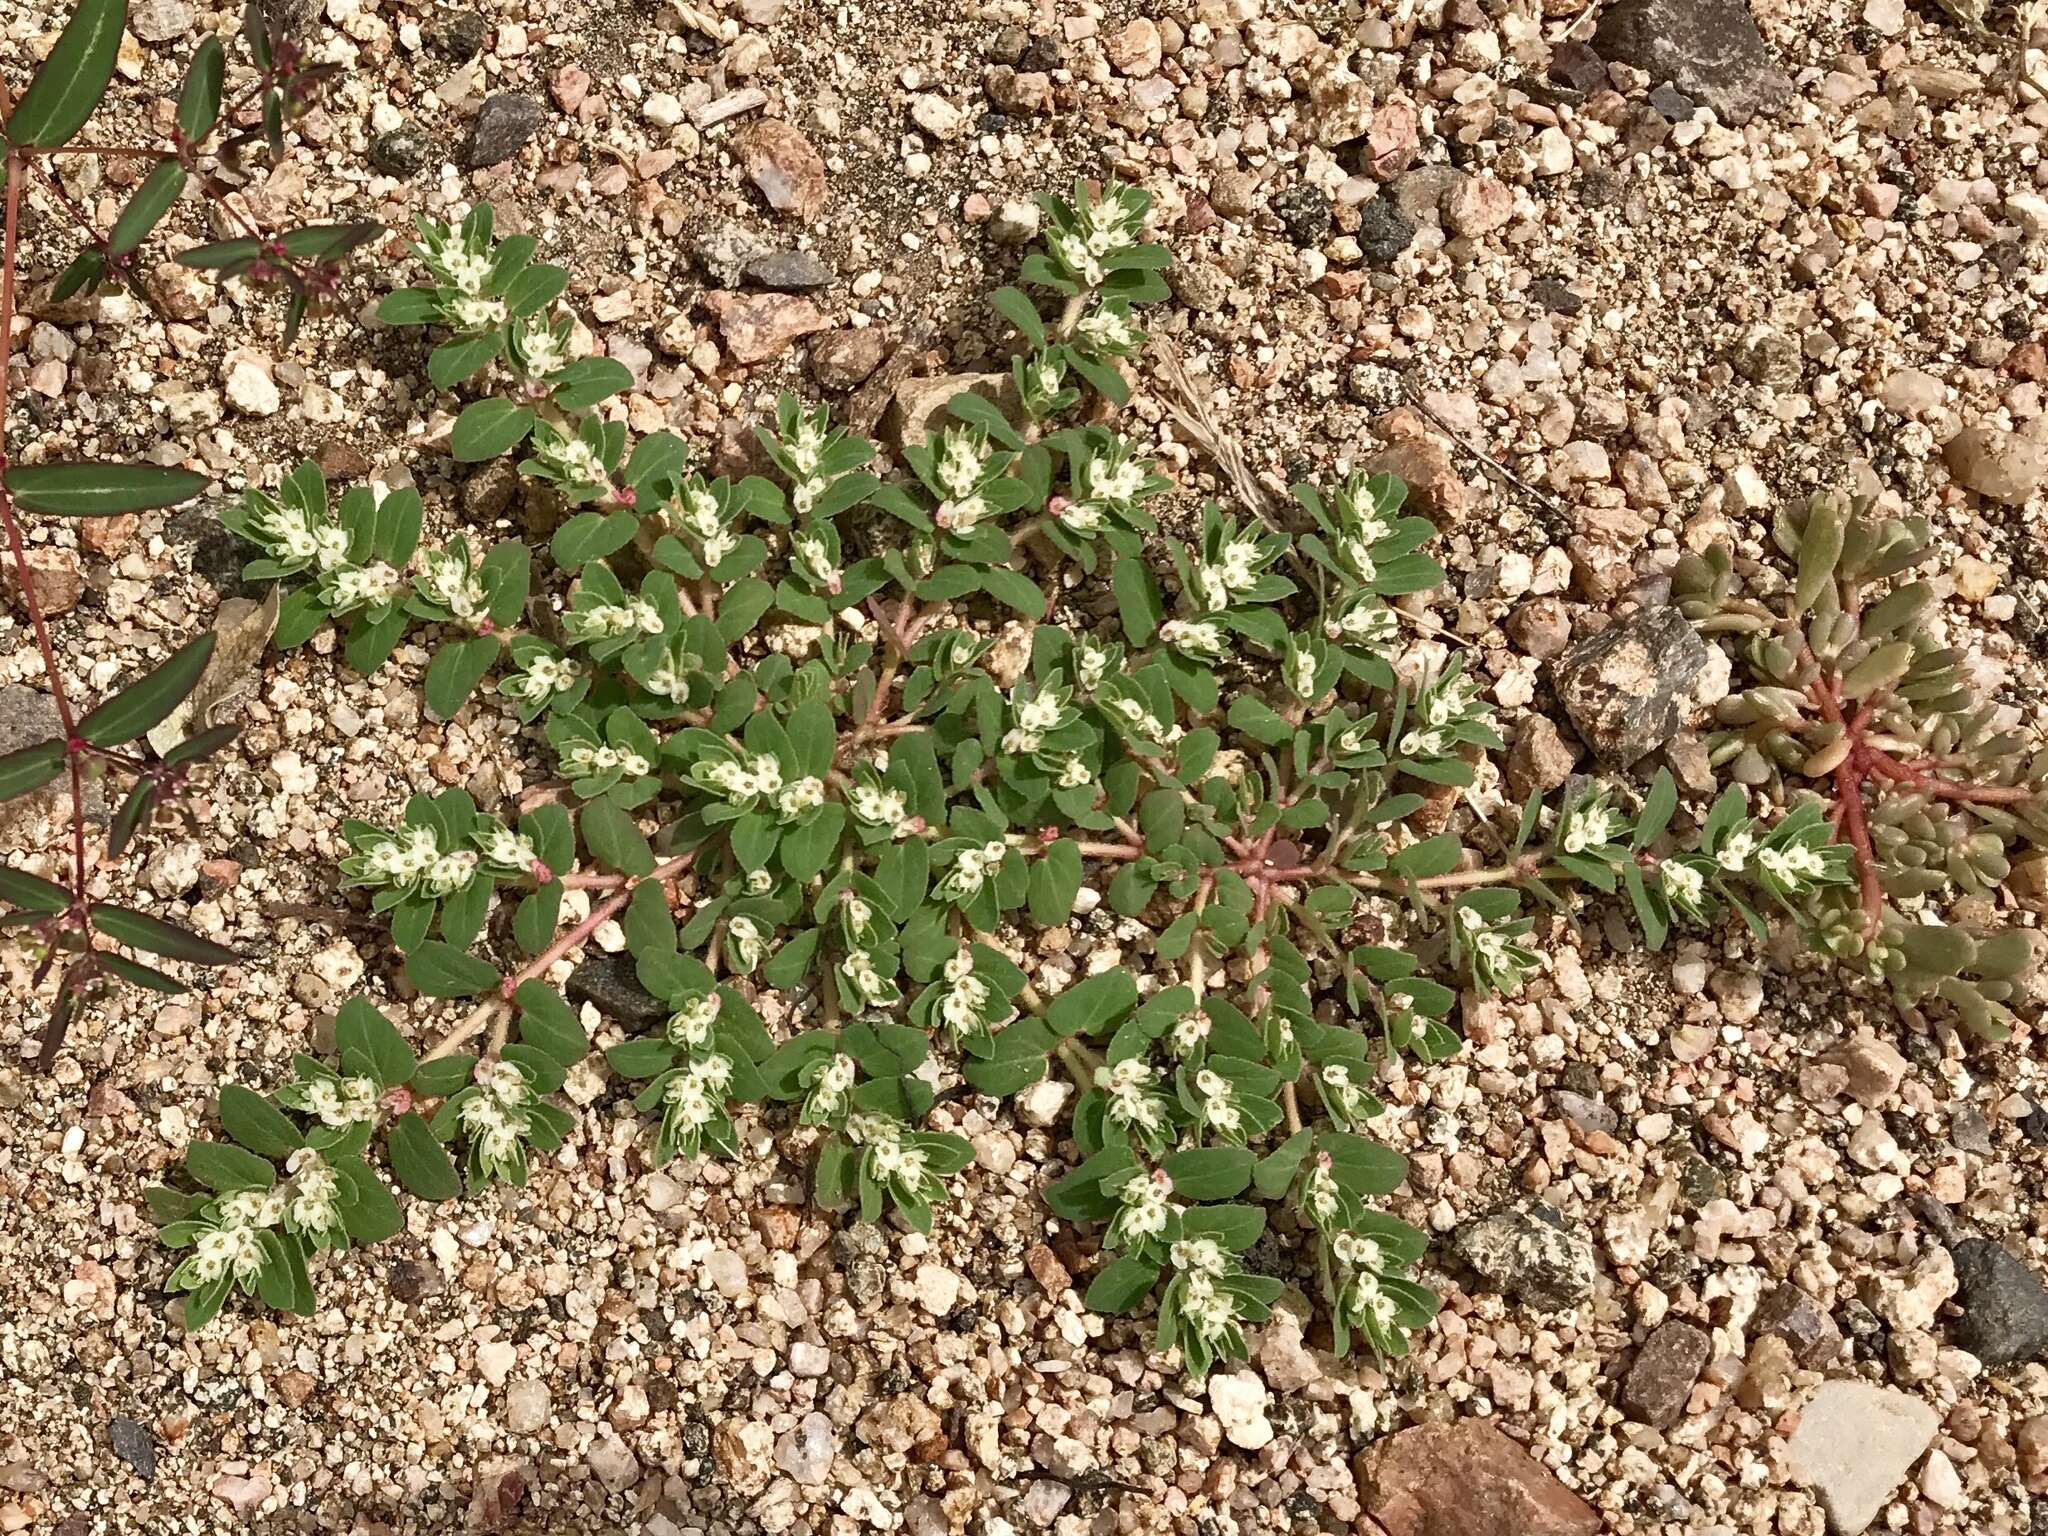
(1845, 691)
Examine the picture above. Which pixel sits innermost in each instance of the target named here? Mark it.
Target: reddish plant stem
(1118, 851)
(1921, 775)
(1849, 775)
(75, 749)
(605, 909)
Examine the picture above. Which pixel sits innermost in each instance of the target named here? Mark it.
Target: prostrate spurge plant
(827, 855)
(210, 147)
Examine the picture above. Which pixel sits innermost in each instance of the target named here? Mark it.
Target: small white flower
(1589, 827)
(959, 464)
(1202, 1255)
(800, 798)
(690, 1025)
(450, 873)
(1735, 853)
(1793, 865)
(352, 587)
(465, 270)
(476, 313)
(1683, 883)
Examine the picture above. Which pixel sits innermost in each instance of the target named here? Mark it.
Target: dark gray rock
(411, 1281)
(1629, 689)
(1304, 211)
(1553, 295)
(724, 248)
(501, 128)
(216, 553)
(1534, 1255)
(1792, 1315)
(788, 272)
(27, 716)
(1660, 1382)
(405, 151)
(1709, 49)
(1672, 104)
(455, 34)
(135, 1445)
(2005, 1306)
(1384, 231)
(1575, 64)
(609, 984)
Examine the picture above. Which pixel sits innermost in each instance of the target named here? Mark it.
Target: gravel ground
(1695, 1209)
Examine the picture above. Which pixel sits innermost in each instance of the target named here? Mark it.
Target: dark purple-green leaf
(90, 489)
(133, 813)
(138, 930)
(199, 97)
(31, 892)
(205, 744)
(324, 242)
(143, 705)
(230, 256)
(84, 272)
(72, 79)
(30, 768)
(146, 976)
(152, 200)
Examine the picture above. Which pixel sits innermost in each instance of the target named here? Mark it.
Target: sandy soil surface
(1660, 324)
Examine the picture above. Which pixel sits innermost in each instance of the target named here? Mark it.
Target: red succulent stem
(1851, 823)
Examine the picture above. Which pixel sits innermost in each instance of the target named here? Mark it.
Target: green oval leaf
(257, 1123)
(371, 1045)
(441, 970)
(225, 1169)
(549, 1024)
(487, 428)
(588, 380)
(92, 489)
(418, 1161)
(455, 671)
(1091, 1006)
(1122, 1285)
(1209, 1173)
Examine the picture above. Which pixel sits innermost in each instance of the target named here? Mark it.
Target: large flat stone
(1710, 49)
(1854, 1445)
(1467, 1479)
